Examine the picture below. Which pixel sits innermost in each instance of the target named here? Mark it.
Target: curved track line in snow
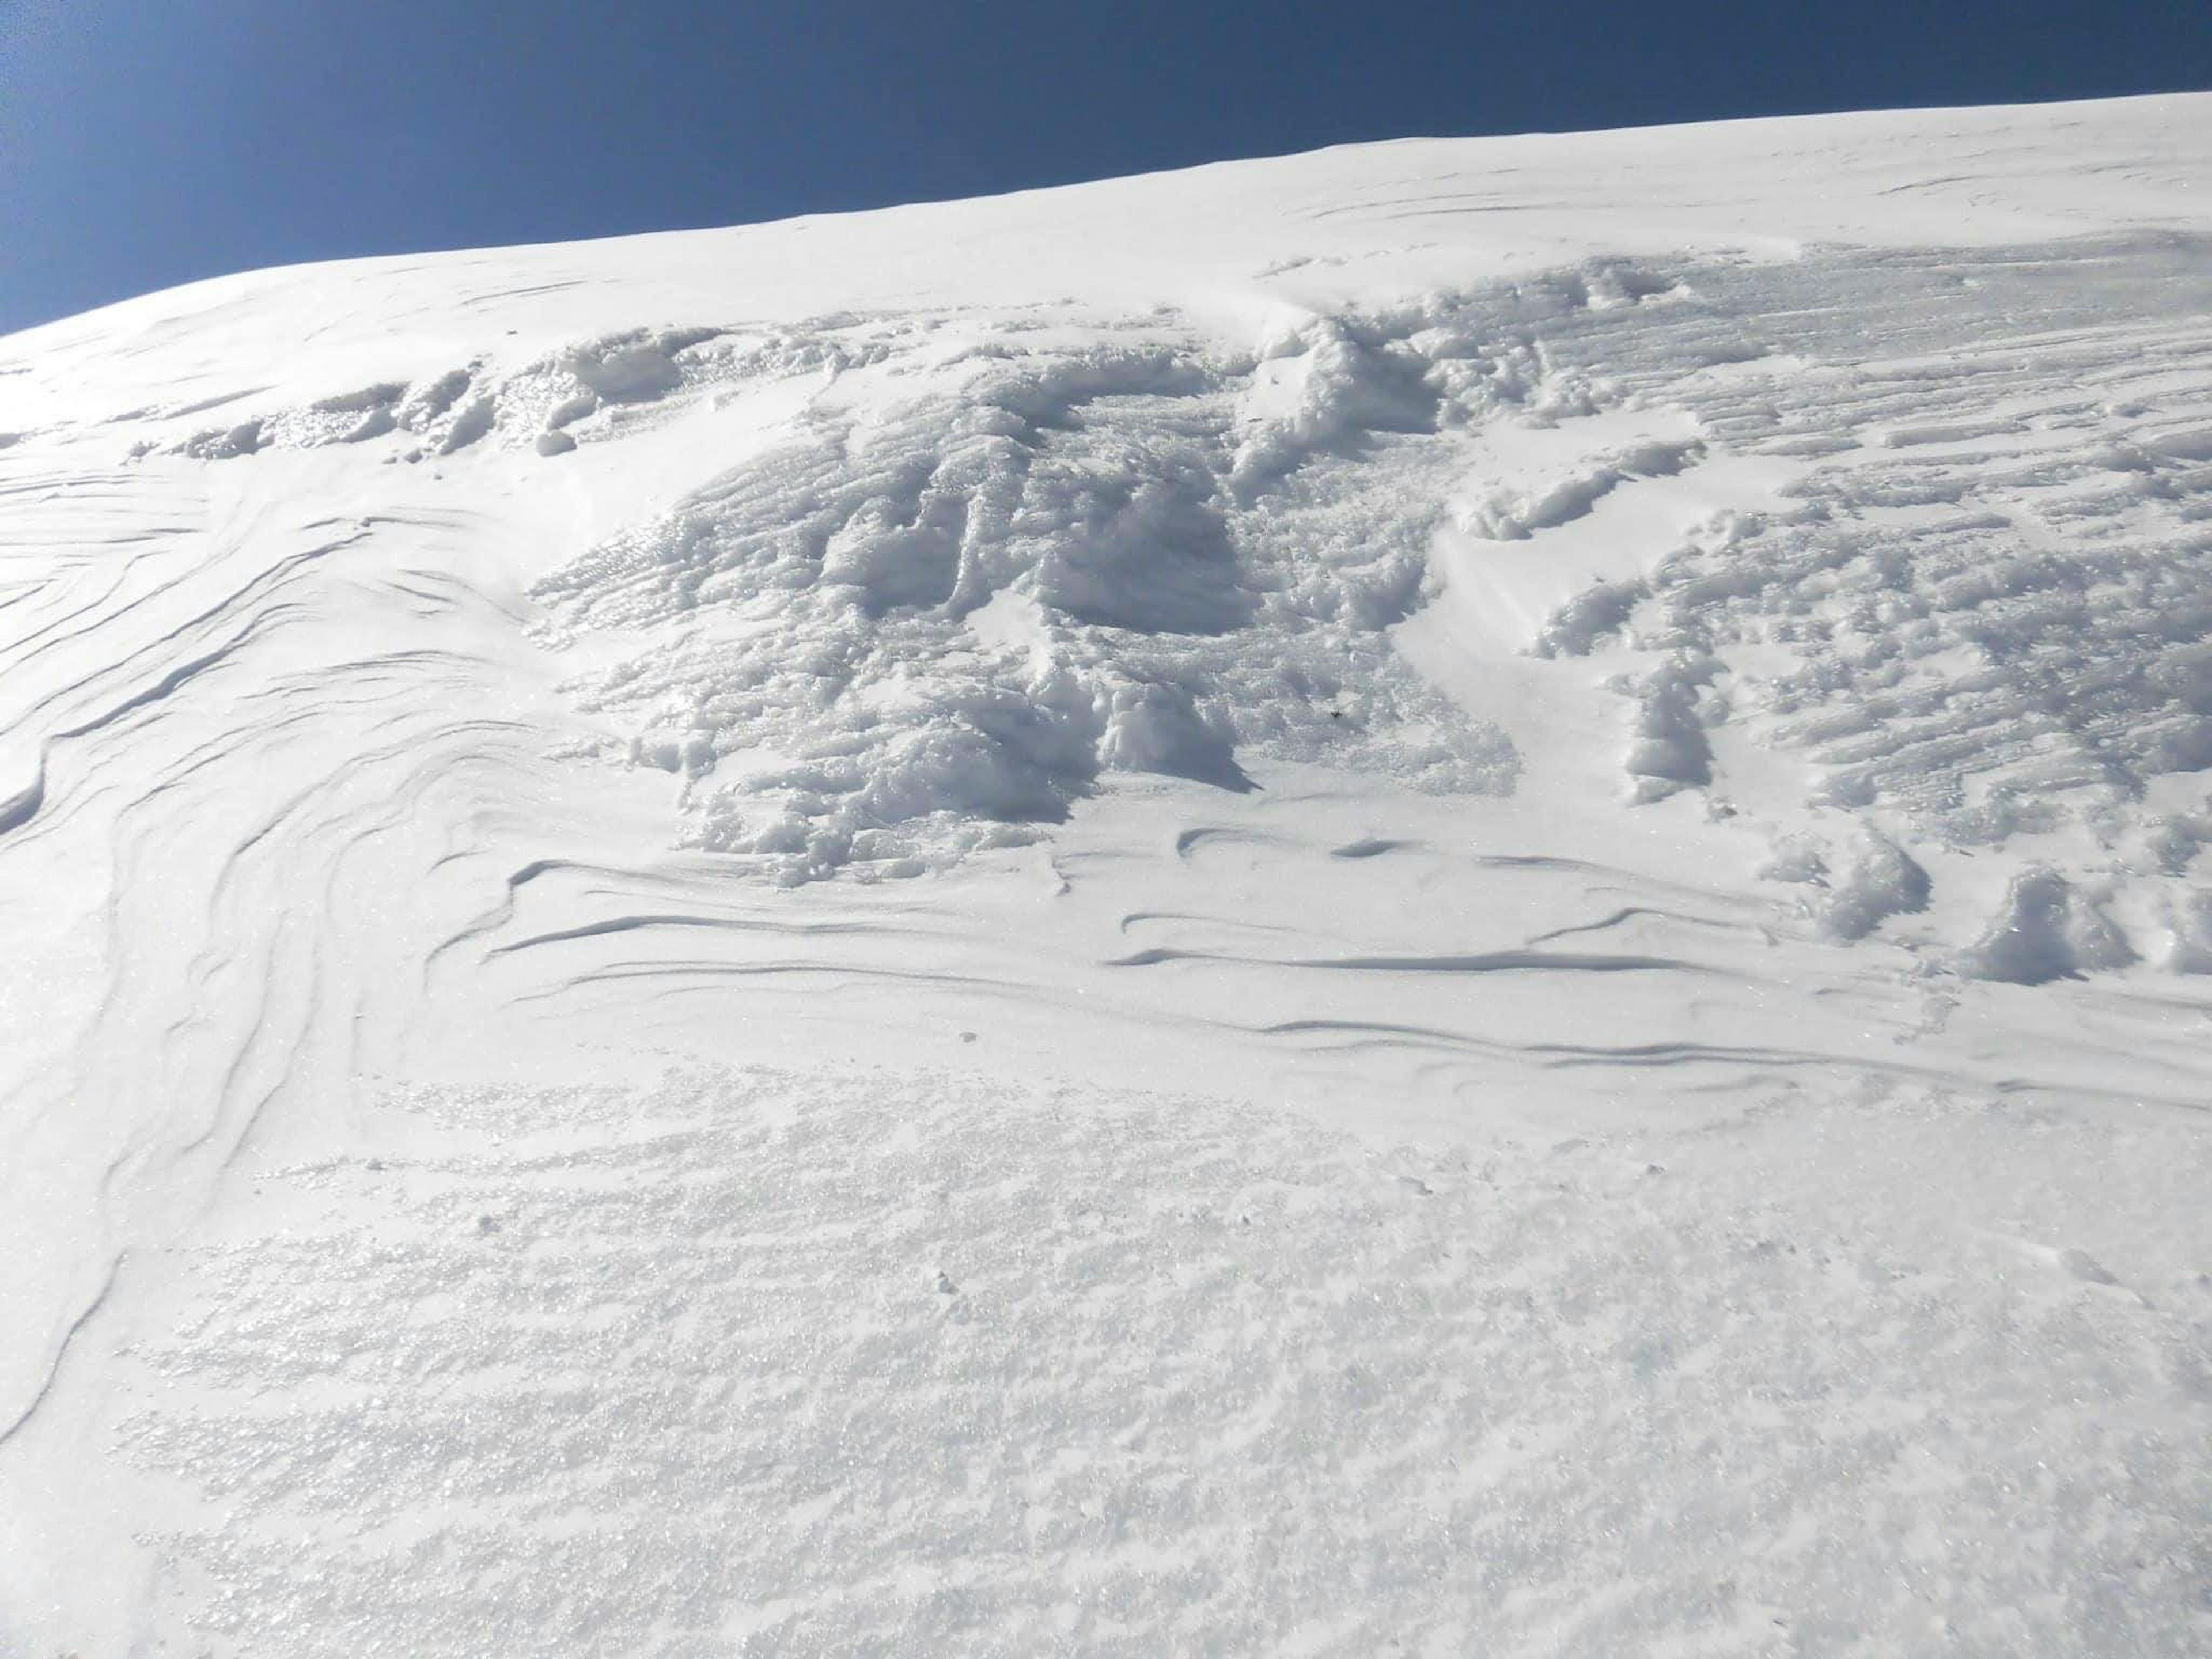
(1491, 961)
(59, 1352)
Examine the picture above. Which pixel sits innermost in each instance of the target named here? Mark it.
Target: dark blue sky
(145, 143)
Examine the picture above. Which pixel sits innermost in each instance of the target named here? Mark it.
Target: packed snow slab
(774, 1364)
(1694, 634)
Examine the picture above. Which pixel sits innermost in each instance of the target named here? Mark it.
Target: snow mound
(2047, 929)
(1882, 880)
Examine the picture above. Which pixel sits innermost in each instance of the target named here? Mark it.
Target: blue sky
(146, 143)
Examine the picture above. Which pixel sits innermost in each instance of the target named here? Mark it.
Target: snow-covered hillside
(1440, 897)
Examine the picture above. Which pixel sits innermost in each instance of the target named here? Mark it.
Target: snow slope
(1444, 895)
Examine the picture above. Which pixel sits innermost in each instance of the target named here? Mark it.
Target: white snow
(925, 1365)
(1440, 896)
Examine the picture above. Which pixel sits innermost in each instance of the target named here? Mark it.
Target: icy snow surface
(1441, 897)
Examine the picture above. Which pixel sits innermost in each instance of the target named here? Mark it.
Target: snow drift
(1421, 895)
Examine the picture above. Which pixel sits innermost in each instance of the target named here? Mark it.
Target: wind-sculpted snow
(940, 617)
(921, 627)
(1695, 640)
(593, 388)
(773, 1365)
(969, 575)
(1976, 596)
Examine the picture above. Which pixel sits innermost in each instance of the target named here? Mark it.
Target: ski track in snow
(1473, 692)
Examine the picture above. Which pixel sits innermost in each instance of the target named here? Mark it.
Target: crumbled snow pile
(940, 618)
(1658, 681)
(784, 1365)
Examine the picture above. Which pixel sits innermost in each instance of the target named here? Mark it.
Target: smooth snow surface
(1442, 897)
